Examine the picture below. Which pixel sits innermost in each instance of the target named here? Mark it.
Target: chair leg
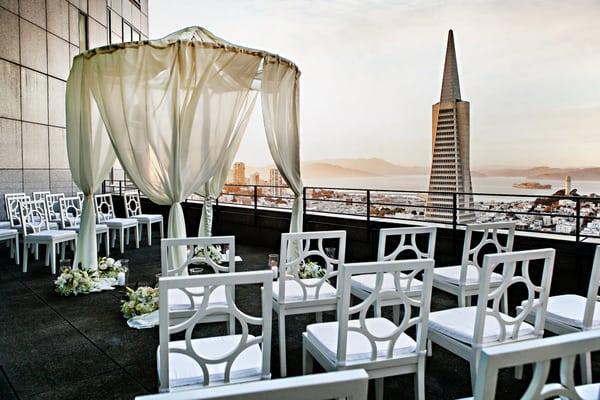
(307, 362)
(128, 233)
(161, 230)
(319, 317)
(47, 255)
(122, 240)
(585, 362)
(63, 250)
(36, 251)
(107, 244)
(396, 314)
(505, 303)
(377, 309)
(231, 325)
(519, 372)
(473, 365)
(429, 348)
(420, 380)
(379, 389)
(137, 237)
(17, 256)
(149, 233)
(282, 355)
(25, 256)
(461, 300)
(114, 237)
(52, 248)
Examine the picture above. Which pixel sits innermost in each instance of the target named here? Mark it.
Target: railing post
(304, 208)
(255, 205)
(368, 207)
(120, 188)
(577, 219)
(103, 186)
(454, 211)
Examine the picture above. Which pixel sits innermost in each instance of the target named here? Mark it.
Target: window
(83, 32)
(130, 34)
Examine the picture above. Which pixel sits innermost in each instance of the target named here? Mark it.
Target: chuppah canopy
(173, 112)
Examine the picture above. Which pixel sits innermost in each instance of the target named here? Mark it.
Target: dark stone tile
(6, 391)
(25, 313)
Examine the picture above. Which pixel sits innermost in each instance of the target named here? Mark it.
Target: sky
(371, 70)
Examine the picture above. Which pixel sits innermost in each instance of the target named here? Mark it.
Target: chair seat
(4, 224)
(294, 292)
(367, 282)
(100, 228)
(459, 323)
(569, 309)
(8, 233)
(178, 300)
(452, 275)
(148, 218)
(183, 370)
(589, 392)
(120, 222)
(325, 337)
(44, 236)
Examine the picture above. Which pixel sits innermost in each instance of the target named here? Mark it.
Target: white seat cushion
(4, 224)
(178, 300)
(459, 323)
(51, 235)
(452, 275)
(367, 282)
(589, 392)
(358, 347)
(569, 309)
(294, 292)
(145, 218)
(183, 370)
(100, 228)
(120, 222)
(7, 233)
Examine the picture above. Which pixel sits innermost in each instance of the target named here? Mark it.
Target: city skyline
(362, 62)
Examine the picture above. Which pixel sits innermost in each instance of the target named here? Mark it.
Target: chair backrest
(296, 250)
(34, 216)
(39, 195)
(133, 206)
(537, 292)
(208, 284)
(195, 250)
(407, 242)
(70, 212)
(489, 237)
(592, 296)
(350, 384)
(104, 207)
(81, 197)
(11, 202)
(405, 273)
(53, 205)
(541, 352)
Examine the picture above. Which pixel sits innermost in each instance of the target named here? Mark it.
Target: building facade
(276, 182)
(450, 169)
(38, 40)
(239, 173)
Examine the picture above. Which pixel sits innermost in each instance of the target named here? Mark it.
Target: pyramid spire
(450, 84)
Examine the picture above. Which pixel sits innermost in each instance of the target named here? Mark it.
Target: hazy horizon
(372, 69)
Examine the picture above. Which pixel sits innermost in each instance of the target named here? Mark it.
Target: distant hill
(546, 173)
(375, 166)
(325, 170)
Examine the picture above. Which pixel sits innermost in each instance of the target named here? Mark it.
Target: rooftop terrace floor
(52, 347)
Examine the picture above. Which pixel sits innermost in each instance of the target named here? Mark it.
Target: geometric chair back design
(293, 294)
(39, 195)
(466, 330)
(36, 231)
(180, 303)
(569, 313)
(389, 250)
(70, 219)
(463, 280)
(6, 196)
(105, 214)
(541, 352)
(211, 361)
(133, 209)
(12, 208)
(380, 346)
(81, 197)
(351, 385)
(53, 206)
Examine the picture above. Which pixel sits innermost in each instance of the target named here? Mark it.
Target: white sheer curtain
(90, 157)
(280, 103)
(213, 188)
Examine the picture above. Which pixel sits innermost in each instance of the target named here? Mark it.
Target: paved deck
(52, 347)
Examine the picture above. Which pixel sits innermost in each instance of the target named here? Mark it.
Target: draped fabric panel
(90, 157)
(280, 105)
(213, 188)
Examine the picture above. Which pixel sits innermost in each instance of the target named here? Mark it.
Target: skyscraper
(275, 181)
(450, 170)
(239, 173)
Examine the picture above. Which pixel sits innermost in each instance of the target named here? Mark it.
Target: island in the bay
(531, 185)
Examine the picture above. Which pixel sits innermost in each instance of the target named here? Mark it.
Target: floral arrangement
(143, 300)
(75, 281)
(310, 269)
(109, 268)
(214, 253)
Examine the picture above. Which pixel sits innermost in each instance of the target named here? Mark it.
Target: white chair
(70, 220)
(11, 203)
(81, 196)
(351, 385)
(465, 331)
(133, 209)
(568, 313)
(6, 224)
(179, 302)
(293, 295)
(376, 344)
(39, 195)
(53, 206)
(463, 280)
(12, 235)
(541, 352)
(363, 285)
(213, 361)
(36, 230)
(105, 213)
